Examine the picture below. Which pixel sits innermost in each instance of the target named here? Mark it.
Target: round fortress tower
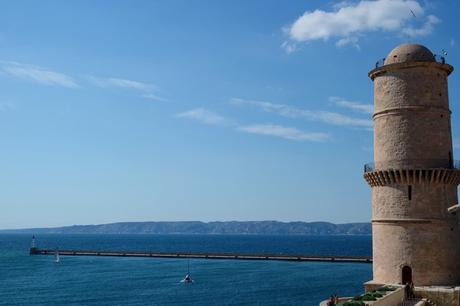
(414, 177)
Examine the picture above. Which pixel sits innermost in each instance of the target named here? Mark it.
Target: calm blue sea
(37, 280)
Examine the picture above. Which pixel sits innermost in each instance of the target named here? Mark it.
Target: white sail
(56, 256)
(188, 278)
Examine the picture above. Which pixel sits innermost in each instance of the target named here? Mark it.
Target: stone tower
(414, 177)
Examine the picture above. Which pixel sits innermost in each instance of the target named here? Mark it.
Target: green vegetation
(368, 297)
(358, 300)
(353, 303)
(386, 288)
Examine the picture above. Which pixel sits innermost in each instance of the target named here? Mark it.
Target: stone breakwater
(357, 259)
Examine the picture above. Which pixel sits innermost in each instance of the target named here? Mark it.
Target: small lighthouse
(414, 178)
(33, 245)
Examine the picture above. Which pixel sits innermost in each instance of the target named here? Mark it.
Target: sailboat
(56, 256)
(188, 277)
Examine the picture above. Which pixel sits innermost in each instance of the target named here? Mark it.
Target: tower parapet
(414, 177)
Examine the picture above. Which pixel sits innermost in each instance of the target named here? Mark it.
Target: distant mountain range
(197, 227)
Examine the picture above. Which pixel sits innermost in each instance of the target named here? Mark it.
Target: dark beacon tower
(414, 177)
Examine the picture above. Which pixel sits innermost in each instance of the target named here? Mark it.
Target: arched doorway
(406, 275)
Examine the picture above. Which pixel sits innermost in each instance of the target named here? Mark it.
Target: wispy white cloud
(283, 132)
(293, 112)
(52, 78)
(349, 20)
(204, 116)
(352, 40)
(211, 118)
(122, 83)
(341, 4)
(289, 47)
(37, 74)
(452, 42)
(148, 90)
(152, 96)
(355, 106)
(426, 29)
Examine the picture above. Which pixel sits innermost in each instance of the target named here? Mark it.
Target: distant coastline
(218, 228)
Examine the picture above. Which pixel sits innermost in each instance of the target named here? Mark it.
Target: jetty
(198, 255)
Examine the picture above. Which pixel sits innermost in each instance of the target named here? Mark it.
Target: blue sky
(198, 110)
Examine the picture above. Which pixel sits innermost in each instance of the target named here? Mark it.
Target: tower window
(451, 161)
(409, 192)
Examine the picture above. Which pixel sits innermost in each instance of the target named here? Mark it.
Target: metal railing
(456, 164)
(433, 164)
(369, 167)
(438, 58)
(380, 63)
